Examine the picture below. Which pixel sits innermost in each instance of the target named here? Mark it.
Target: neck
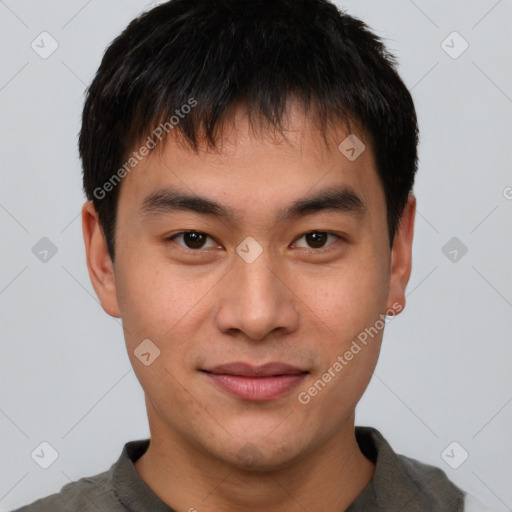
(329, 477)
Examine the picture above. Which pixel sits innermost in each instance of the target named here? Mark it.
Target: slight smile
(256, 383)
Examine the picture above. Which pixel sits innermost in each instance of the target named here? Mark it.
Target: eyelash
(198, 251)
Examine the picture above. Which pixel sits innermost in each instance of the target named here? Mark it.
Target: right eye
(192, 240)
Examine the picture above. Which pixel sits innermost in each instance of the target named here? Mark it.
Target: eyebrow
(334, 199)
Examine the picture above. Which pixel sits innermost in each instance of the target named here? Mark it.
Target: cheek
(349, 298)
(144, 301)
(169, 305)
(351, 306)
(154, 307)
(154, 296)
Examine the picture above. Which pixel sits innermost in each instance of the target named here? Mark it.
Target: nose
(258, 300)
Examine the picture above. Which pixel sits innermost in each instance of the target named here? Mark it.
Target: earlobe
(401, 257)
(99, 263)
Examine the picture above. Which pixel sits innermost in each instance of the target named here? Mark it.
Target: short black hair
(212, 55)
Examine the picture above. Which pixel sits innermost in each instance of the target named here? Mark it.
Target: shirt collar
(398, 483)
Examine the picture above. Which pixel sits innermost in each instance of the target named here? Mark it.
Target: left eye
(316, 239)
(193, 240)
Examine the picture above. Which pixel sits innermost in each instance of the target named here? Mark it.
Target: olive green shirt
(398, 484)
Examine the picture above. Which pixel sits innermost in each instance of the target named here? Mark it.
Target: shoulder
(89, 493)
(401, 482)
(101, 492)
(431, 485)
(404, 483)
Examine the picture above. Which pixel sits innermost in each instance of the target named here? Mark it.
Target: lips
(246, 370)
(256, 383)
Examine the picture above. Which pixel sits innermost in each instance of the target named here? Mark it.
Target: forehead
(256, 170)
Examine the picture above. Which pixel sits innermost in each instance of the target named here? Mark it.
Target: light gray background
(444, 373)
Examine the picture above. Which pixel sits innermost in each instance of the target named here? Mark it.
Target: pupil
(316, 239)
(194, 240)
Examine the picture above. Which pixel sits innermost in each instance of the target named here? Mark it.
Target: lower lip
(256, 389)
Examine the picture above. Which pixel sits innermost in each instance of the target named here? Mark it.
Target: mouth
(256, 383)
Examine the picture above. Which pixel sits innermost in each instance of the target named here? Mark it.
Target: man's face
(256, 286)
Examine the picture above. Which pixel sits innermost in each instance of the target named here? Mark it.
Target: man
(249, 168)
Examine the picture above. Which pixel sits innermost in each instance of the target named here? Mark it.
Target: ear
(401, 257)
(99, 263)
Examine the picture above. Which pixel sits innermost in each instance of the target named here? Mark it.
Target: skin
(293, 304)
